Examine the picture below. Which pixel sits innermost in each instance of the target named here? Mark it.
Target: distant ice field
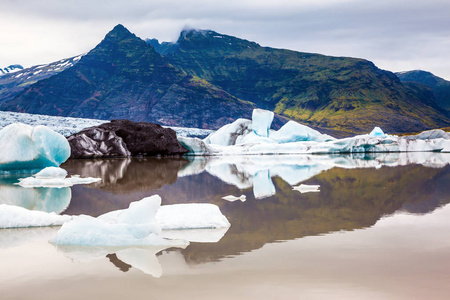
(67, 125)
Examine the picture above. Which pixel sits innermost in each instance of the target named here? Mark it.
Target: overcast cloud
(396, 35)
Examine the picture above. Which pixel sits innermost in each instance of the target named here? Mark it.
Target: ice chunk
(232, 198)
(191, 216)
(377, 132)
(230, 134)
(295, 132)
(305, 188)
(133, 226)
(54, 177)
(51, 172)
(26, 148)
(14, 217)
(261, 121)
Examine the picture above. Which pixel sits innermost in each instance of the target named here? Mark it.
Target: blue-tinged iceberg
(27, 149)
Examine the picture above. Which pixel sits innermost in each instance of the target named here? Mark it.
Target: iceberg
(191, 216)
(261, 121)
(377, 132)
(54, 177)
(26, 148)
(141, 224)
(294, 138)
(16, 217)
(296, 132)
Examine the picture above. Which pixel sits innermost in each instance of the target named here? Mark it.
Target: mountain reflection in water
(355, 192)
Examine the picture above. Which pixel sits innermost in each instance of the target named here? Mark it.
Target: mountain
(12, 84)
(342, 94)
(10, 69)
(439, 86)
(124, 78)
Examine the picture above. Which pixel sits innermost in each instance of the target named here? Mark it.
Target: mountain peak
(119, 32)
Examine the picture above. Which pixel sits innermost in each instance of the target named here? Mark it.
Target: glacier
(67, 126)
(26, 149)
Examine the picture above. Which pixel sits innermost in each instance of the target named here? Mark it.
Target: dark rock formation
(120, 138)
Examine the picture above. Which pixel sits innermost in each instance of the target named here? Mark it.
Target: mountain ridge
(124, 78)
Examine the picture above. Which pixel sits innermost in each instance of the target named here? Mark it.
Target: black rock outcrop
(120, 138)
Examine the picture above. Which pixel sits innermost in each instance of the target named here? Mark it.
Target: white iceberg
(261, 121)
(133, 226)
(26, 148)
(191, 216)
(16, 217)
(294, 138)
(54, 177)
(305, 188)
(230, 134)
(141, 224)
(296, 132)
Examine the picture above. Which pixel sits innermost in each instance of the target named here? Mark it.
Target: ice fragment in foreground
(54, 177)
(15, 217)
(232, 198)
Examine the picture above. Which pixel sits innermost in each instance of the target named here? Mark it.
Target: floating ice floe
(294, 138)
(143, 223)
(16, 217)
(26, 148)
(305, 188)
(54, 177)
(232, 198)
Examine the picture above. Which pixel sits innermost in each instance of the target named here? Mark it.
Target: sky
(397, 35)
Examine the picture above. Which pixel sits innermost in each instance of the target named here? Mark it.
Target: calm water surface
(377, 229)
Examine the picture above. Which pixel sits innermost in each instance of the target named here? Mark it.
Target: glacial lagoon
(375, 228)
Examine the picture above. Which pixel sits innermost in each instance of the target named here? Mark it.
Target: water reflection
(42, 199)
(355, 192)
(143, 258)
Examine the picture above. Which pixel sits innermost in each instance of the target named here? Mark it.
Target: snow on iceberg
(296, 132)
(26, 148)
(16, 217)
(54, 177)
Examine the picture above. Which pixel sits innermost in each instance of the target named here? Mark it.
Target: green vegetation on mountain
(335, 93)
(124, 78)
(439, 86)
